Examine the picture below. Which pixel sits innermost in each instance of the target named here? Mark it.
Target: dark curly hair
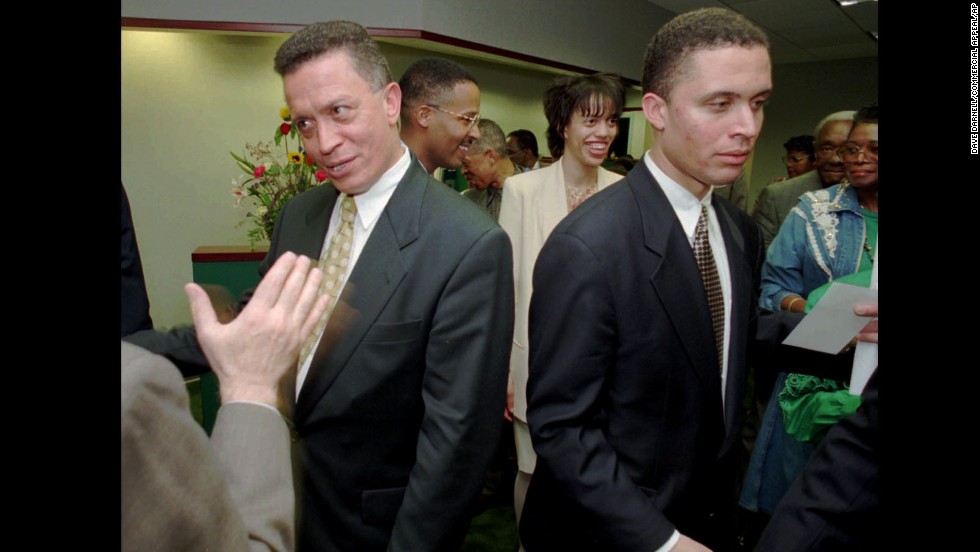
(598, 95)
(803, 143)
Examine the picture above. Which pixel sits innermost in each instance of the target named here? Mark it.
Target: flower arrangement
(272, 174)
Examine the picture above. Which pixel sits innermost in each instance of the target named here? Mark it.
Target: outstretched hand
(256, 352)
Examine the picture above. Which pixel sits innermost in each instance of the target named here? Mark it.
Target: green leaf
(243, 163)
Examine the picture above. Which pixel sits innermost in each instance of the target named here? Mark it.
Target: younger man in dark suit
(643, 308)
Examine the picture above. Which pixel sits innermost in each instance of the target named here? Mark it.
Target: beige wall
(187, 100)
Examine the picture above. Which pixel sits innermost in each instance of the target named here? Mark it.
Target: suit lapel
(307, 238)
(378, 272)
(675, 277)
(742, 295)
(553, 205)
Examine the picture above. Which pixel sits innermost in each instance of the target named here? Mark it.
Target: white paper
(865, 354)
(831, 325)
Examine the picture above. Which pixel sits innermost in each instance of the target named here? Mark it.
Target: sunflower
(295, 157)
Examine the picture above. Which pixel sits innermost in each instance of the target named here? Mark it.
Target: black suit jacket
(834, 504)
(624, 396)
(400, 411)
(133, 300)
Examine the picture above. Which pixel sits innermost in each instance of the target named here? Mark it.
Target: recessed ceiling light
(852, 2)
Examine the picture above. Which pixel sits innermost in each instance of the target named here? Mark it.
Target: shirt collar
(686, 205)
(371, 203)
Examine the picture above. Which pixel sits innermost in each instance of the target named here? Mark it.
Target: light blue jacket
(821, 239)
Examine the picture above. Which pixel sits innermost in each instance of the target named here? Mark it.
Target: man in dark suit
(399, 400)
(440, 109)
(642, 313)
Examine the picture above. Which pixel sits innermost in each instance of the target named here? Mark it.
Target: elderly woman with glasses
(583, 117)
(831, 235)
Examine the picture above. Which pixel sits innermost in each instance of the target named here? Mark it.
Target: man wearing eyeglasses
(776, 200)
(522, 148)
(439, 112)
(799, 155)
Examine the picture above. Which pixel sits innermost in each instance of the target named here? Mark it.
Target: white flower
(239, 193)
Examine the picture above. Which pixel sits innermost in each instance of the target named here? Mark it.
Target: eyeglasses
(849, 152)
(796, 159)
(472, 120)
(827, 150)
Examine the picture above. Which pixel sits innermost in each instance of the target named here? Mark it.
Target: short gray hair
(491, 137)
(351, 38)
(839, 116)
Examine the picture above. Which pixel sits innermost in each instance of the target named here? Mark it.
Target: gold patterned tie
(712, 284)
(334, 266)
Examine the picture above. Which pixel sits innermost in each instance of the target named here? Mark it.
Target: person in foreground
(180, 492)
(834, 505)
(401, 388)
(642, 313)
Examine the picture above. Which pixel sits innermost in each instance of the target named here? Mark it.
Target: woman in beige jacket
(583, 117)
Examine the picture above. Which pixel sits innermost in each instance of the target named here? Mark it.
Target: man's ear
(492, 155)
(423, 116)
(655, 110)
(393, 102)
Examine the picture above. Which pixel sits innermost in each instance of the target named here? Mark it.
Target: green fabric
(871, 231)
(811, 405)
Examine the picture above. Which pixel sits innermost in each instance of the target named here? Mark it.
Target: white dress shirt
(370, 205)
(687, 208)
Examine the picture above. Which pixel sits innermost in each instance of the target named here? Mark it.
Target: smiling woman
(583, 113)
